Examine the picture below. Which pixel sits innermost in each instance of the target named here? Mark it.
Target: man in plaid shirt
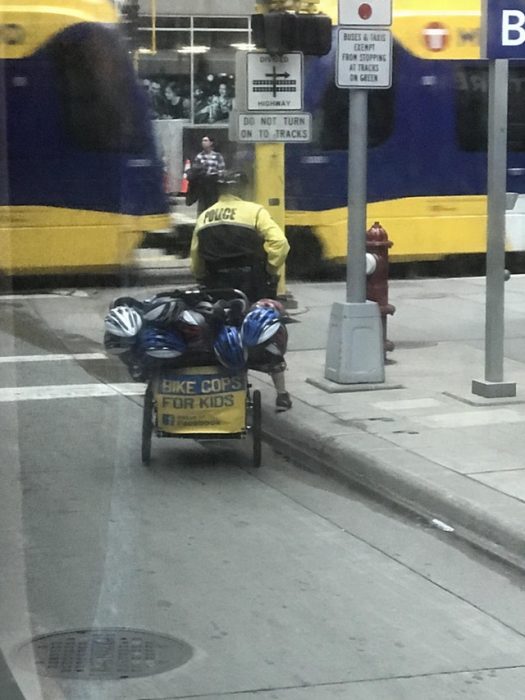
(208, 165)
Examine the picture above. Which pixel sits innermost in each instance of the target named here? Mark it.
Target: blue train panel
(422, 139)
(78, 131)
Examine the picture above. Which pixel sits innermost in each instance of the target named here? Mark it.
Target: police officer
(237, 244)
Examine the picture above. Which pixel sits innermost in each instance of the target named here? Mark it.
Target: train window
(471, 84)
(214, 71)
(96, 84)
(332, 119)
(227, 23)
(171, 34)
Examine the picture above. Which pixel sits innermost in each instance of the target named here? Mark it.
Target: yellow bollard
(269, 188)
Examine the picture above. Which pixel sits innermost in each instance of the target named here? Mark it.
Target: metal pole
(493, 386)
(496, 188)
(153, 26)
(357, 178)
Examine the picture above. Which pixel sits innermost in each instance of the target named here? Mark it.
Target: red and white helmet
(270, 304)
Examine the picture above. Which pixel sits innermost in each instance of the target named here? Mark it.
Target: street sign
(263, 127)
(503, 29)
(275, 83)
(370, 12)
(364, 58)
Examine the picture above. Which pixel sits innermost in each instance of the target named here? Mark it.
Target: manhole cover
(106, 654)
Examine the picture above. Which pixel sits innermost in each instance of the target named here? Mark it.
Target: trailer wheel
(147, 424)
(256, 428)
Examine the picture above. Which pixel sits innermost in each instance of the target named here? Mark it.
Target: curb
(485, 518)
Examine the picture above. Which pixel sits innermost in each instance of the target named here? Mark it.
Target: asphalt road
(284, 584)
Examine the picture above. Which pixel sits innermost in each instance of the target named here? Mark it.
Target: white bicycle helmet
(123, 321)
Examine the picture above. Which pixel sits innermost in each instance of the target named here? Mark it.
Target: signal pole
(355, 346)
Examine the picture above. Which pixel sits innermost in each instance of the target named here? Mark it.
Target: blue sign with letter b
(504, 29)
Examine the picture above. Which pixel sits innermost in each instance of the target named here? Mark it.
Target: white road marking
(472, 418)
(407, 404)
(15, 359)
(16, 297)
(70, 391)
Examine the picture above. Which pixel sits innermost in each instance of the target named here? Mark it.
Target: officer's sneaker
(283, 402)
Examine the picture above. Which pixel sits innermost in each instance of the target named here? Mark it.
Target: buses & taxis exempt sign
(364, 58)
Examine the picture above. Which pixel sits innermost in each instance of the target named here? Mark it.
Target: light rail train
(80, 179)
(427, 151)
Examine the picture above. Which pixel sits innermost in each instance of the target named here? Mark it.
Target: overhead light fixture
(193, 49)
(243, 47)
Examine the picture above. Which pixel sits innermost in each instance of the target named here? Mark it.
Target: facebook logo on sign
(512, 31)
(503, 24)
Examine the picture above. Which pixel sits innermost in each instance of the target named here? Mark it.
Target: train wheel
(147, 424)
(306, 254)
(256, 428)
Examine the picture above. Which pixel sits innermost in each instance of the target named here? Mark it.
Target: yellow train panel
(42, 240)
(30, 25)
(419, 227)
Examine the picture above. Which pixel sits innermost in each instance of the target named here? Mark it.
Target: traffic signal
(282, 32)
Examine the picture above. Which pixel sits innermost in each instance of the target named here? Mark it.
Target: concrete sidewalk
(422, 440)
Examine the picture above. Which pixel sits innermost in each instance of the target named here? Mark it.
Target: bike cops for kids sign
(201, 400)
(503, 29)
(364, 58)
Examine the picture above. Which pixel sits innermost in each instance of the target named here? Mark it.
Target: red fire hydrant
(377, 244)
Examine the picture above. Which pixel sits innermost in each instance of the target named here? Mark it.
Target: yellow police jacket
(228, 219)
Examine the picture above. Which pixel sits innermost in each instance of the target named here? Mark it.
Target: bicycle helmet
(232, 178)
(123, 321)
(162, 309)
(192, 325)
(236, 311)
(270, 304)
(128, 301)
(116, 344)
(161, 344)
(228, 348)
(278, 343)
(205, 308)
(259, 325)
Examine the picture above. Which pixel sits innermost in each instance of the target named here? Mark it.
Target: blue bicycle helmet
(259, 325)
(162, 344)
(228, 348)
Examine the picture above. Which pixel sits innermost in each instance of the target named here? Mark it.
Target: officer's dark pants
(253, 280)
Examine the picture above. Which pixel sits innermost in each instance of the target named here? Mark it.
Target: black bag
(192, 195)
(195, 177)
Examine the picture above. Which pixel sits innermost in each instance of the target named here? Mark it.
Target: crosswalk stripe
(70, 391)
(16, 297)
(15, 359)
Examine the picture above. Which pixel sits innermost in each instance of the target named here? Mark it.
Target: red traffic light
(364, 11)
